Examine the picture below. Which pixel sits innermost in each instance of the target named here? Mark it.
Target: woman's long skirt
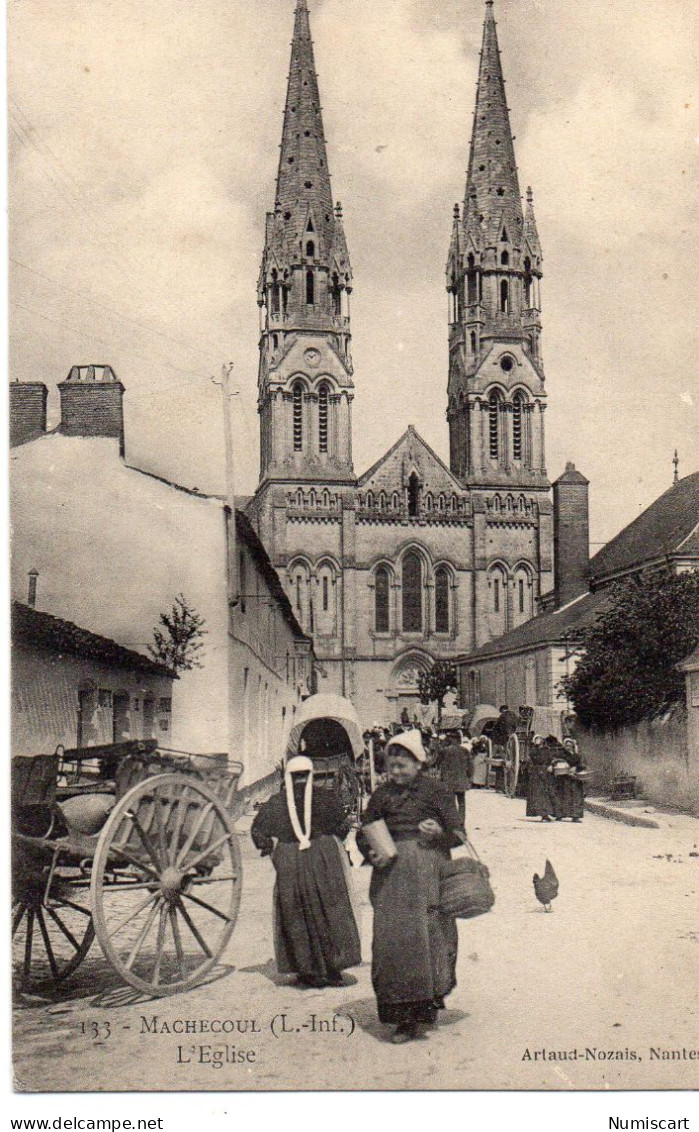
(568, 798)
(315, 932)
(539, 792)
(414, 949)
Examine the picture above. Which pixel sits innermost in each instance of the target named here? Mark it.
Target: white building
(113, 546)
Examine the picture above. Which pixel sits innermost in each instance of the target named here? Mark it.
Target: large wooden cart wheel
(52, 929)
(511, 766)
(166, 884)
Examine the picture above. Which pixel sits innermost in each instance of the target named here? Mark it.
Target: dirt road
(600, 993)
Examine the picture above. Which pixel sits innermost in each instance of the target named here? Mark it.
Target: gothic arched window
(310, 288)
(300, 597)
(298, 416)
(310, 249)
(413, 496)
(498, 612)
(275, 295)
(441, 599)
(412, 593)
(381, 600)
(494, 426)
(505, 259)
(337, 296)
(528, 280)
(472, 281)
(324, 612)
(518, 426)
(323, 418)
(504, 296)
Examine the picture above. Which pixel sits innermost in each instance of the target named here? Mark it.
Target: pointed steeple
(492, 171)
(305, 375)
(303, 181)
(495, 302)
(454, 261)
(531, 234)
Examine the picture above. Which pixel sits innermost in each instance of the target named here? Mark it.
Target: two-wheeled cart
(147, 861)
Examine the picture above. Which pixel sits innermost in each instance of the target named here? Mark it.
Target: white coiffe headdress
(411, 741)
(300, 765)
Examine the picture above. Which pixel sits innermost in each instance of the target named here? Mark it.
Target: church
(415, 559)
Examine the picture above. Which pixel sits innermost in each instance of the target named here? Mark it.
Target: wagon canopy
(482, 714)
(327, 723)
(453, 722)
(547, 721)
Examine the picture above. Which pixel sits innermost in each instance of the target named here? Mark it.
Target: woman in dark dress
(414, 946)
(568, 791)
(539, 781)
(315, 932)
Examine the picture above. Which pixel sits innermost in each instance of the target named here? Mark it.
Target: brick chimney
(91, 403)
(571, 535)
(27, 411)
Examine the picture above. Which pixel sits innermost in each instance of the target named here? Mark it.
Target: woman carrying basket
(414, 946)
(315, 932)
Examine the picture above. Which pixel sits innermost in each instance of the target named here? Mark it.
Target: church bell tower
(305, 387)
(496, 394)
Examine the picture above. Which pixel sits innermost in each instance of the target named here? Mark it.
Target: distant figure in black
(539, 781)
(455, 770)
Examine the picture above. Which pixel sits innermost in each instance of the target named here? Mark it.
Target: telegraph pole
(232, 541)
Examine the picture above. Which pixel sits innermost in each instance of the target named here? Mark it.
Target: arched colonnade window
(414, 609)
(511, 596)
(313, 429)
(313, 591)
(509, 427)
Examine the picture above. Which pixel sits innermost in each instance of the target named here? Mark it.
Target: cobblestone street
(581, 982)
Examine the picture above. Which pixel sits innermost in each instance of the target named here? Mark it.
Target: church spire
(303, 180)
(305, 376)
(492, 171)
(493, 281)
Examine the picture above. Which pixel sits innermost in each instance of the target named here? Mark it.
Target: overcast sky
(144, 140)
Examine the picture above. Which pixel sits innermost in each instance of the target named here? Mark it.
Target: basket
(560, 769)
(464, 887)
(379, 837)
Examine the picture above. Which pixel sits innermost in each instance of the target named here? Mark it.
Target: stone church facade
(415, 559)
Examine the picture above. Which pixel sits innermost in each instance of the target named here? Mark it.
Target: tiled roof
(34, 627)
(667, 527)
(548, 628)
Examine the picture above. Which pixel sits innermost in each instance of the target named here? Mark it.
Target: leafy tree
(434, 685)
(178, 637)
(627, 670)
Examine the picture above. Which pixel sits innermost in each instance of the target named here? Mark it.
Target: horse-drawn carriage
(130, 844)
(326, 728)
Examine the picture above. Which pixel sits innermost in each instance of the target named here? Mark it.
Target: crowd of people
(418, 807)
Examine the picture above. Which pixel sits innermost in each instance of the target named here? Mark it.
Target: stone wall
(656, 752)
